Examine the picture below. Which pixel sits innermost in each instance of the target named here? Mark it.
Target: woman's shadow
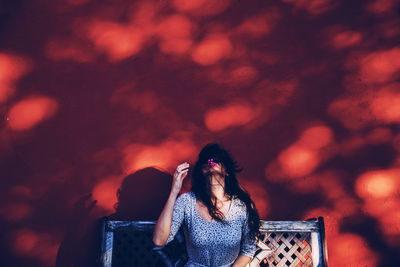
(141, 197)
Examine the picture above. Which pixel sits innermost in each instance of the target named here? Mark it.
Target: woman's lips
(211, 163)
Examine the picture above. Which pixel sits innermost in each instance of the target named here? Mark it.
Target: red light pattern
(304, 92)
(27, 113)
(12, 68)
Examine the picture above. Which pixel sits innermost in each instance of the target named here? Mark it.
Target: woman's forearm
(164, 222)
(163, 225)
(241, 261)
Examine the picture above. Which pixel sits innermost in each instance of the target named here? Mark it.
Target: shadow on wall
(142, 196)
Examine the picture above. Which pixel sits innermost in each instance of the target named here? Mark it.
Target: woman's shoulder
(240, 205)
(187, 196)
(239, 202)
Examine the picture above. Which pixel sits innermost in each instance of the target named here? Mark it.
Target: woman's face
(213, 167)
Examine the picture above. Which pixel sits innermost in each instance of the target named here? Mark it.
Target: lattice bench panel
(287, 249)
(282, 244)
(129, 243)
(291, 244)
(133, 249)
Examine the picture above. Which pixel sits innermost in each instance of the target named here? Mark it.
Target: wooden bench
(282, 243)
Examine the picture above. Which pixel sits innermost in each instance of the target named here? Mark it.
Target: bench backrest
(282, 244)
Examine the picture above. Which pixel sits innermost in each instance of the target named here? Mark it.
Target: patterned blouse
(212, 243)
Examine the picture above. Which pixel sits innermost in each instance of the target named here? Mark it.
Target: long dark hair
(201, 186)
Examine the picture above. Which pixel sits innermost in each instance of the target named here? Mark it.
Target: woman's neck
(218, 187)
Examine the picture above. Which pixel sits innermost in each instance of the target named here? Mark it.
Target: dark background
(304, 93)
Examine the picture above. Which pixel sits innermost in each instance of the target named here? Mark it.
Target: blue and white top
(212, 243)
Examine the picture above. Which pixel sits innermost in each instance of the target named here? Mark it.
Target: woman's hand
(179, 175)
(242, 261)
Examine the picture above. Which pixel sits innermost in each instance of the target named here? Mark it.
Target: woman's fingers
(183, 174)
(182, 167)
(180, 174)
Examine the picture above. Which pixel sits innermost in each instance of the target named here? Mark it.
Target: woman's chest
(203, 212)
(202, 232)
(214, 234)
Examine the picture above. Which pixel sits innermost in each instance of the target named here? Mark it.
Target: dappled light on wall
(201, 7)
(15, 212)
(165, 156)
(379, 190)
(379, 135)
(144, 14)
(380, 7)
(352, 112)
(389, 29)
(371, 107)
(345, 39)
(352, 248)
(105, 192)
(175, 34)
(316, 137)
(259, 195)
(31, 111)
(386, 104)
(116, 40)
(260, 24)
(12, 68)
(67, 49)
(231, 115)
(378, 184)
(211, 50)
(35, 245)
(77, 2)
(354, 251)
(297, 161)
(21, 192)
(274, 95)
(304, 93)
(314, 146)
(237, 76)
(314, 7)
(380, 66)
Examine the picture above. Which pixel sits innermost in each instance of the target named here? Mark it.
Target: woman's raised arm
(162, 228)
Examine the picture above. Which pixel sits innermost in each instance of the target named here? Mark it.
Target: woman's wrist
(174, 193)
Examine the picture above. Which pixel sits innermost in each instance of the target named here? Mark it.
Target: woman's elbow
(158, 242)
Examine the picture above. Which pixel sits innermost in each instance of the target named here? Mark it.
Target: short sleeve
(177, 216)
(248, 245)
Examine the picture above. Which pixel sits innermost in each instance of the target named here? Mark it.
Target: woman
(221, 223)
